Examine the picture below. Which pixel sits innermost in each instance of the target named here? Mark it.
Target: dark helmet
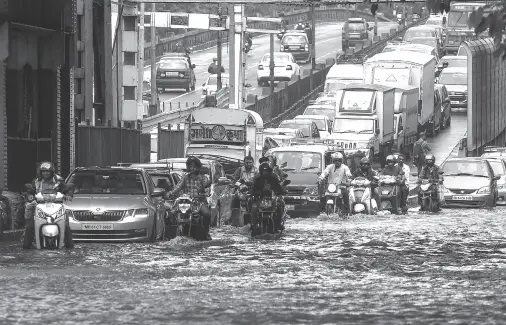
(263, 159)
(265, 167)
(430, 159)
(365, 163)
(390, 159)
(194, 160)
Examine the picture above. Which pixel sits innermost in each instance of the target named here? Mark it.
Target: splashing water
(386, 269)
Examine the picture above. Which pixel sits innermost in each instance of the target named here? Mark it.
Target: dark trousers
(404, 193)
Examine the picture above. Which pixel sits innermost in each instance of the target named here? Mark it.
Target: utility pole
(140, 81)
(231, 58)
(376, 24)
(313, 39)
(271, 63)
(218, 43)
(153, 107)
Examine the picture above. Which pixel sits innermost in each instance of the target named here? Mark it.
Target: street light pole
(271, 63)
(218, 43)
(140, 82)
(313, 40)
(153, 103)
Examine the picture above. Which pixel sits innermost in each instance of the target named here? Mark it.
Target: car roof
(302, 148)
(296, 121)
(455, 70)
(356, 20)
(499, 159)
(296, 33)
(454, 57)
(414, 57)
(310, 117)
(467, 159)
(424, 38)
(108, 168)
(423, 27)
(183, 160)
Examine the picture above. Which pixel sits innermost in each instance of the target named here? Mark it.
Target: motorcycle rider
(337, 174)
(369, 173)
(420, 149)
(248, 39)
(194, 183)
(267, 180)
(46, 179)
(405, 185)
(246, 172)
(392, 170)
(213, 67)
(430, 171)
(300, 25)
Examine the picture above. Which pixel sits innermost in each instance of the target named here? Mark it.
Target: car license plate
(385, 192)
(295, 47)
(290, 207)
(462, 197)
(97, 226)
(49, 205)
(171, 74)
(454, 102)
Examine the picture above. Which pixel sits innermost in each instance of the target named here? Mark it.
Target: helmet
(46, 165)
(265, 167)
(337, 156)
(430, 159)
(263, 159)
(194, 160)
(365, 162)
(390, 159)
(396, 157)
(215, 59)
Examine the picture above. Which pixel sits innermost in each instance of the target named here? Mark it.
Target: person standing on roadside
(420, 149)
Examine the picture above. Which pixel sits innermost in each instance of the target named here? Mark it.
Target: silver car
(499, 167)
(115, 204)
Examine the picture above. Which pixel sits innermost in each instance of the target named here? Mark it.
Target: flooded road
(413, 269)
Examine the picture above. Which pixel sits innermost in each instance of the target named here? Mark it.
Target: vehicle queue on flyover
(384, 145)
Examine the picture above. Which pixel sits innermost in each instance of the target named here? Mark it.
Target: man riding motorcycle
(405, 185)
(194, 183)
(46, 179)
(267, 180)
(430, 171)
(392, 170)
(337, 174)
(213, 67)
(367, 172)
(248, 39)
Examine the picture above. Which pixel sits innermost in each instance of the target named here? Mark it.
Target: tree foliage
(491, 17)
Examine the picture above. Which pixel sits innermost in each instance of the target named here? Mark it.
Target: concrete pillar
(128, 64)
(4, 53)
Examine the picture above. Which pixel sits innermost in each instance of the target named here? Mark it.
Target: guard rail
(199, 39)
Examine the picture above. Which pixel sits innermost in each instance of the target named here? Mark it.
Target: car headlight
(483, 190)
(501, 186)
(133, 213)
(311, 190)
(446, 191)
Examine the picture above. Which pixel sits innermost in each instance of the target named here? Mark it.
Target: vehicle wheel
(193, 87)
(187, 88)
(154, 231)
(329, 209)
(449, 121)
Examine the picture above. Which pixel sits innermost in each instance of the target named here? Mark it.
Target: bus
(457, 29)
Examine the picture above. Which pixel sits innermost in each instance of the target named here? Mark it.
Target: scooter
(361, 200)
(50, 219)
(389, 193)
(241, 215)
(334, 198)
(265, 223)
(187, 218)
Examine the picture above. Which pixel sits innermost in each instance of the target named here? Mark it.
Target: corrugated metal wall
(3, 126)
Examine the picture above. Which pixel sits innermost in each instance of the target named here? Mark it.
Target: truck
(457, 29)
(226, 133)
(402, 68)
(364, 121)
(405, 119)
(347, 69)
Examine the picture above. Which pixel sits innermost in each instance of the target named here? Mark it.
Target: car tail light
(306, 47)
(282, 48)
(260, 67)
(288, 67)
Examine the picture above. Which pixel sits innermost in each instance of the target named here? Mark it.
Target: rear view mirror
(497, 177)
(223, 181)
(377, 131)
(157, 192)
(193, 66)
(399, 39)
(441, 172)
(445, 64)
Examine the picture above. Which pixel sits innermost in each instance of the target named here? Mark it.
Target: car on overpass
(453, 61)
(430, 41)
(469, 182)
(355, 31)
(118, 204)
(211, 85)
(285, 68)
(455, 80)
(323, 123)
(499, 167)
(175, 72)
(297, 44)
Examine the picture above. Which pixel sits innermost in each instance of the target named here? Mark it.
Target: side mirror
(441, 172)
(414, 174)
(399, 39)
(204, 84)
(286, 182)
(193, 66)
(158, 192)
(497, 177)
(284, 164)
(377, 131)
(445, 64)
(223, 181)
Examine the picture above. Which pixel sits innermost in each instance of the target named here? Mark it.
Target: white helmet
(337, 155)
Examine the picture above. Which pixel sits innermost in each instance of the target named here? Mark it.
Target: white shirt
(336, 175)
(407, 173)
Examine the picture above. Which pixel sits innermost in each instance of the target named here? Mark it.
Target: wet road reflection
(418, 268)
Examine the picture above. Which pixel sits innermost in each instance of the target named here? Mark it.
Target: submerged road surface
(414, 269)
(328, 43)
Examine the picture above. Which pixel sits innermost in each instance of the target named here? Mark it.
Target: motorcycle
(187, 219)
(428, 193)
(389, 192)
(281, 33)
(334, 198)
(50, 219)
(361, 199)
(241, 215)
(265, 223)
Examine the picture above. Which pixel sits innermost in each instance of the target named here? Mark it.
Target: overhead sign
(185, 20)
(222, 133)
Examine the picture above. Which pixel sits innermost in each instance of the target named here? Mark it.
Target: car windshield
(353, 126)
(455, 63)
(106, 182)
(425, 41)
(297, 161)
(438, 22)
(161, 181)
(465, 168)
(278, 57)
(292, 125)
(294, 39)
(173, 64)
(497, 167)
(320, 124)
(410, 34)
(458, 19)
(213, 81)
(319, 111)
(356, 27)
(453, 78)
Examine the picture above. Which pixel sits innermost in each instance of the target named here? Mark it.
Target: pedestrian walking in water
(420, 149)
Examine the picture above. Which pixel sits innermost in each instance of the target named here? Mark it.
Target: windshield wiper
(310, 167)
(364, 131)
(346, 131)
(287, 169)
(466, 174)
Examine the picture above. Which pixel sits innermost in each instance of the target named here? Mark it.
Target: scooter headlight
(359, 207)
(332, 188)
(424, 187)
(50, 230)
(184, 207)
(385, 192)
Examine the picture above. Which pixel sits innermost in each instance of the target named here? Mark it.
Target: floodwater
(414, 269)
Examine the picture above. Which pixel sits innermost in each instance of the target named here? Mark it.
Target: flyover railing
(203, 39)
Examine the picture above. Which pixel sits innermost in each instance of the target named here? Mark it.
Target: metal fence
(108, 146)
(486, 84)
(170, 142)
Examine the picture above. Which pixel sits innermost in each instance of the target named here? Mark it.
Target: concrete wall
(4, 53)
